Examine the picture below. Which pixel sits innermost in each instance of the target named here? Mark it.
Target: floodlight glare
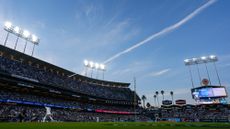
(204, 58)
(186, 60)
(17, 30)
(26, 34)
(201, 60)
(86, 62)
(212, 57)
(8, 25)
(96, 65)
(194, 59)
(102, 66)
(34, 38)
(91, 64)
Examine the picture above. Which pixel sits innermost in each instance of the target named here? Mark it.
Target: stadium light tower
(94, 65)
(20, 33)
(202, 60)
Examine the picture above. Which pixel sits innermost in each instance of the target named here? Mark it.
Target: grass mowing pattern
(114, 125)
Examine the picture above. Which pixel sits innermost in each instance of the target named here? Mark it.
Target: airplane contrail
(162, 32)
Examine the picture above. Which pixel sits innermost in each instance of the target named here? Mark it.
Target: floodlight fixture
(204, 58)
(20, 33)
(194, 59)
(34, 39)
(86, 62)
(186, 61)
(201, 60)
(96, 65)
(26, 34)
(91, 64)
(8, 25)
(17, 30)
(102, 66)
(213, 58)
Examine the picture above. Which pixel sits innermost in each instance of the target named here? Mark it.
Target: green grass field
(110, 125)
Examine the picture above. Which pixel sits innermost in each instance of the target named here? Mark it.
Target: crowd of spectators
(192, 113)
(18, 68)
(17, 104)
(45, 100)
(12, 113)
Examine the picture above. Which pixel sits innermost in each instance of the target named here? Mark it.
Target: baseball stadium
(36, 93)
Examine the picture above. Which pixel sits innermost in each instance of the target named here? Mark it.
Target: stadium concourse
(29, 88)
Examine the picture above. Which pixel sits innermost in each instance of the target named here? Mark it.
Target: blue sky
(74, 30)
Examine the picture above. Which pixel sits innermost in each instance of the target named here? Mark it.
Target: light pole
(17, 30)
(102, 68)
(91, 65)
(35, 41)
(96, 67)
(7, 36)
(7, 27)
(26, 35)
(204, 58)
(86, 64)
(215, 59)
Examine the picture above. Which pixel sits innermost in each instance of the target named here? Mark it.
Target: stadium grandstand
(34, 90)
(31, 87)
(28, 85)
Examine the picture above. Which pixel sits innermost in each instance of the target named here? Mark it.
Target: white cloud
(159, 73)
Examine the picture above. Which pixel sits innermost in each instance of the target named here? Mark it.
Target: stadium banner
(180, 102)
(38, 104)
(115, 112)
(167, 102)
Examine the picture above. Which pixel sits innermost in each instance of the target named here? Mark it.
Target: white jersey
(48, 110)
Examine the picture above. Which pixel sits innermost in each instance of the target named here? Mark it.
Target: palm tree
(162, 92)
(157, 97)
(171, 93)
(148, 105)
(143, 99)
(155, 101)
